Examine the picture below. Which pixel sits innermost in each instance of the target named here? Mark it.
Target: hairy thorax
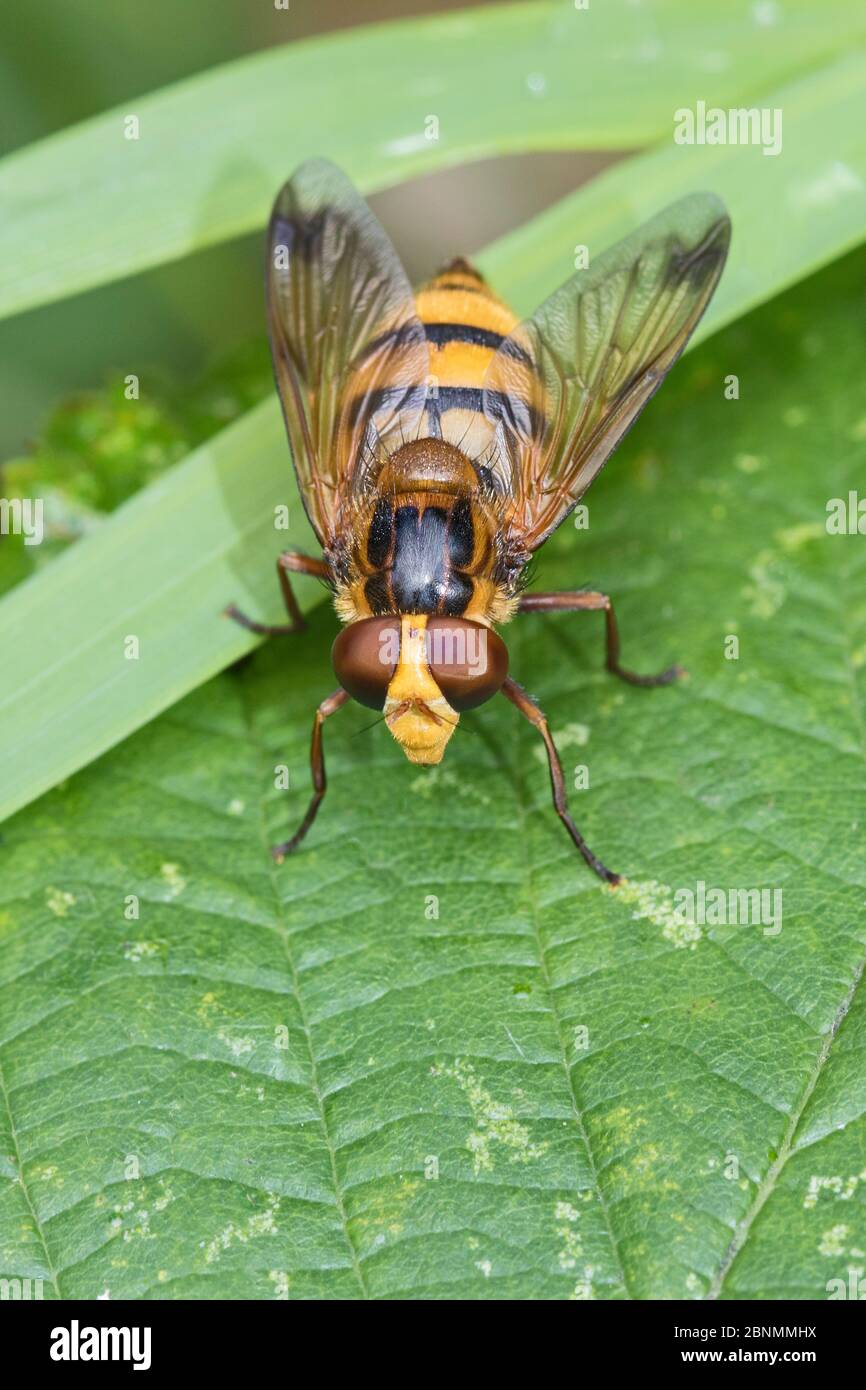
(426, 541)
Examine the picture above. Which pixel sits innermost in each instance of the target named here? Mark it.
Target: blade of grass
(120, 627)
(792, 212)
(166, 564)
(89, 205)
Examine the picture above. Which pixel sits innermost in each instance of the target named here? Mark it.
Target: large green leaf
(89, 205)
(431, 1056)
(167, 564)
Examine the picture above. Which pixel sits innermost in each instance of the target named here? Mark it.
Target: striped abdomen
(428, 542)
(464, 323)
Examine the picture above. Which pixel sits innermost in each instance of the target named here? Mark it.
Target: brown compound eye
(468, 661)
(365, 656)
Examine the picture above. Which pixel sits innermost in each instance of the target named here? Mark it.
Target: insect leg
(530, 710)
(301, 564)
(317, 766)
(590, 600)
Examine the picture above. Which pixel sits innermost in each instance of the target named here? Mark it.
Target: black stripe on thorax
(422, 553)
(380, 536)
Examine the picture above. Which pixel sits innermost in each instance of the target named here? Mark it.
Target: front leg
(300, 564)
(536, 716)
(591, 601)
(317, 768)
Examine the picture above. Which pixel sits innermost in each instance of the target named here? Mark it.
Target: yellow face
(416, 711)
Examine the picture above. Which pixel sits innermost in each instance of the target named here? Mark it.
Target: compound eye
(468, 661)
(365, 656)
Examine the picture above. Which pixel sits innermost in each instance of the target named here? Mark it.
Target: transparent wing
(349, 352)
(567, 384)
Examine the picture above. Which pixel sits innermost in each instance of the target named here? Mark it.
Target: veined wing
(567, 384)
(349, 353)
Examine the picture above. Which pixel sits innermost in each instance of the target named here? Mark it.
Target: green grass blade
(151, 573)
(88, 205)
(792, 212)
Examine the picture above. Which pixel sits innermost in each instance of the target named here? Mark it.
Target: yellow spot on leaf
(59, 901)
(654, 901)
(173, 878)
(495, 1122)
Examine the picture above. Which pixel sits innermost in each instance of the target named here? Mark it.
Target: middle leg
(300, 564)
(592, 601)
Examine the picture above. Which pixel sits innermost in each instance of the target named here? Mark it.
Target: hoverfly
(438, 442)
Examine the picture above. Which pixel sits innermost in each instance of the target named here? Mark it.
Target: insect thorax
(426, 540)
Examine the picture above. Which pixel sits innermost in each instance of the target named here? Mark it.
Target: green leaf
(89, 205)
(169, 562)
(430, 1055)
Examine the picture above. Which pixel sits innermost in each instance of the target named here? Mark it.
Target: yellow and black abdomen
(428, 540)
(464, 323)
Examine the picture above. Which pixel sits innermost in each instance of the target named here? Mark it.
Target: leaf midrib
(550, 991)
(284, 934)
(787, 1149)
(37, 1224)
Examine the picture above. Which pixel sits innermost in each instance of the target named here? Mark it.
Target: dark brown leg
(589, 600)
(317, 765)
(300, 564)
(527, 706)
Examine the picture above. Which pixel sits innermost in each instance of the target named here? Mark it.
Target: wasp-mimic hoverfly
(438, 442)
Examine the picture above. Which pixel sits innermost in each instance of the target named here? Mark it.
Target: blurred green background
(62, 63)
